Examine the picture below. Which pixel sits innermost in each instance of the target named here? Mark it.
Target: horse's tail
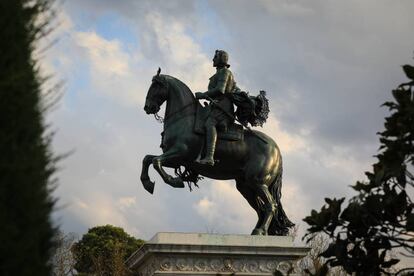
(280, 223)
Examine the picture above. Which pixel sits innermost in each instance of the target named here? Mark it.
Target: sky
(327, 67)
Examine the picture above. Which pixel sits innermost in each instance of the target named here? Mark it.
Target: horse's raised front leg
(171, 158)
(145, 179)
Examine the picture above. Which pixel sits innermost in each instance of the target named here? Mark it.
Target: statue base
(213, 254)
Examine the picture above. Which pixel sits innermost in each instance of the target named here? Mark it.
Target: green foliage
(104, 249)
(381, 216)
(314, 264)
(26, 163)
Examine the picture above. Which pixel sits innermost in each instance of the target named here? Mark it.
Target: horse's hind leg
(252, 199)
(257, 174)
(269, 209)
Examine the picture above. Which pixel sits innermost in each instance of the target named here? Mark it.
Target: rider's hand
(200, 95)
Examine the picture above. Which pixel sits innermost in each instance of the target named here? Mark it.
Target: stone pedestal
(212, 254)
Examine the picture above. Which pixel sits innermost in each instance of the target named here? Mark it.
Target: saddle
(233, 132)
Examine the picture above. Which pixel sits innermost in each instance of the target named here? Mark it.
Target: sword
(213, 102)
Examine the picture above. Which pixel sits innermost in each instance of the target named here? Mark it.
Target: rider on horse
(220, 87)
(254, 161)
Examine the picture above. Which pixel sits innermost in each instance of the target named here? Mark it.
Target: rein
(178, 111)
(168, 118)
(158, 118)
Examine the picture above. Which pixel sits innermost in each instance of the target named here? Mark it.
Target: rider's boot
(211, 138)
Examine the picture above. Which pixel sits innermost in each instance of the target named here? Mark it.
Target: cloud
(179, 51)
(289, 142)
(112, 68)
(98, 209)
(123, 73)
(127, 202)
(106, 57)
(335, 64)
(292, 194)
(285, 8)
(225, 209)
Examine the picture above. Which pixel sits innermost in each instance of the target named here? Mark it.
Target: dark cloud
(340, 58)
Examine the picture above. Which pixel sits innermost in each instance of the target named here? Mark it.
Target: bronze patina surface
(254, 161)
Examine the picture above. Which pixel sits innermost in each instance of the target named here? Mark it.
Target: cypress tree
(26, 162)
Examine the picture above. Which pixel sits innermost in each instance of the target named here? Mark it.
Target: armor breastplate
(225, 75)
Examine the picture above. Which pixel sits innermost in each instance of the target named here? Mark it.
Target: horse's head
(157, 94)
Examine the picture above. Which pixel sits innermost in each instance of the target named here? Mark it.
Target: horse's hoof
(176, 182)
(148, 185)
(258, 232)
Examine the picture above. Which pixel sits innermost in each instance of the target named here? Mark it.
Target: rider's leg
(211, 138)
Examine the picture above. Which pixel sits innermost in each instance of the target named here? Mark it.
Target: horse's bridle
(168, 119)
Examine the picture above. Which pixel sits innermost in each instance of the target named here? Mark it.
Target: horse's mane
(178, 84)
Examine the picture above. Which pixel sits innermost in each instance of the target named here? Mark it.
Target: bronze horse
(254, 162)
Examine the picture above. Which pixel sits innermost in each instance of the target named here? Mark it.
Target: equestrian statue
(216, 141)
